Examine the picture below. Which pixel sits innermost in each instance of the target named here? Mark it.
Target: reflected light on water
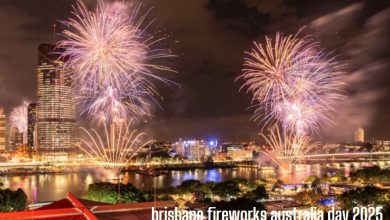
(212, 176)
(54, 187)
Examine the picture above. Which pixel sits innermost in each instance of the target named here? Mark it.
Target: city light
(93, 126)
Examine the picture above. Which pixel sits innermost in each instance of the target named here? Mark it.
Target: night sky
(210, 37)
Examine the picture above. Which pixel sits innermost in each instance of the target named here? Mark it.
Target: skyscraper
(359, 135)
(3, 120)
(18, 139)
(55, 107)
(31, 127)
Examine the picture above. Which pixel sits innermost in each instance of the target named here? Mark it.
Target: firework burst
(115, 150)
(18, 118)
(108, 104)
(294, 86)
(108, 48)
(292, 83)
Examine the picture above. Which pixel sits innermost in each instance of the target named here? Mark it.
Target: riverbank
(164, 166)
(194, 165)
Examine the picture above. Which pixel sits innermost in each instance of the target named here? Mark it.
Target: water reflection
(54, 187)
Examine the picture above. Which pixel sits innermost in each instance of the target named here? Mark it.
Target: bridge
(376, 158)
(347, 159)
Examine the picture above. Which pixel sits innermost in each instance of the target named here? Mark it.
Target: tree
(102, 192)
(108, 192)
(258, 193)
(244, 185)
(226, 189)
(366, 196)
(12, 200)
(200, 197)
(371, 174)
(188, 186)
(130, 194)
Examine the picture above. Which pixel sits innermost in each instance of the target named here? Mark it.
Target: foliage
(198, 191)
(108, 192)
(202, 191)
(189, 186)
(245, 185)
(371, 174)
(258, 193)
(337, 178)
(226, 189)
(12, 200)
(366, 196)
(129, 194)
(206, 192)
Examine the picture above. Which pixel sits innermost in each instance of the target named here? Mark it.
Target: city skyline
(207, 104)
(162, 109)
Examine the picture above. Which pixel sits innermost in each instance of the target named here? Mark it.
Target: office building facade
(55, 110)
(192, 149)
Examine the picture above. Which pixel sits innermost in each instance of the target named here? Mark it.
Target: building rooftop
(80, 209)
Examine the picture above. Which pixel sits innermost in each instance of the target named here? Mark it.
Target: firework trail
(292, 83)
(18, 118)
(115, 150)
(287, 148)
(109, 48)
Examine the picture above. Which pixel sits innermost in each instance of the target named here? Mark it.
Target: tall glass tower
(55, 106)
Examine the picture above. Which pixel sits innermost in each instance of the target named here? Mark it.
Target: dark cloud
(17, 53)
(363, 43)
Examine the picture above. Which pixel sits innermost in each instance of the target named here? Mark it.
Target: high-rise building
(359, 135)
(192, 149)
(55, 107)
(31, 127)
(18, 139)
(3, 124)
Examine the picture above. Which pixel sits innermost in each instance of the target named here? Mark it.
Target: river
(50, 187)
